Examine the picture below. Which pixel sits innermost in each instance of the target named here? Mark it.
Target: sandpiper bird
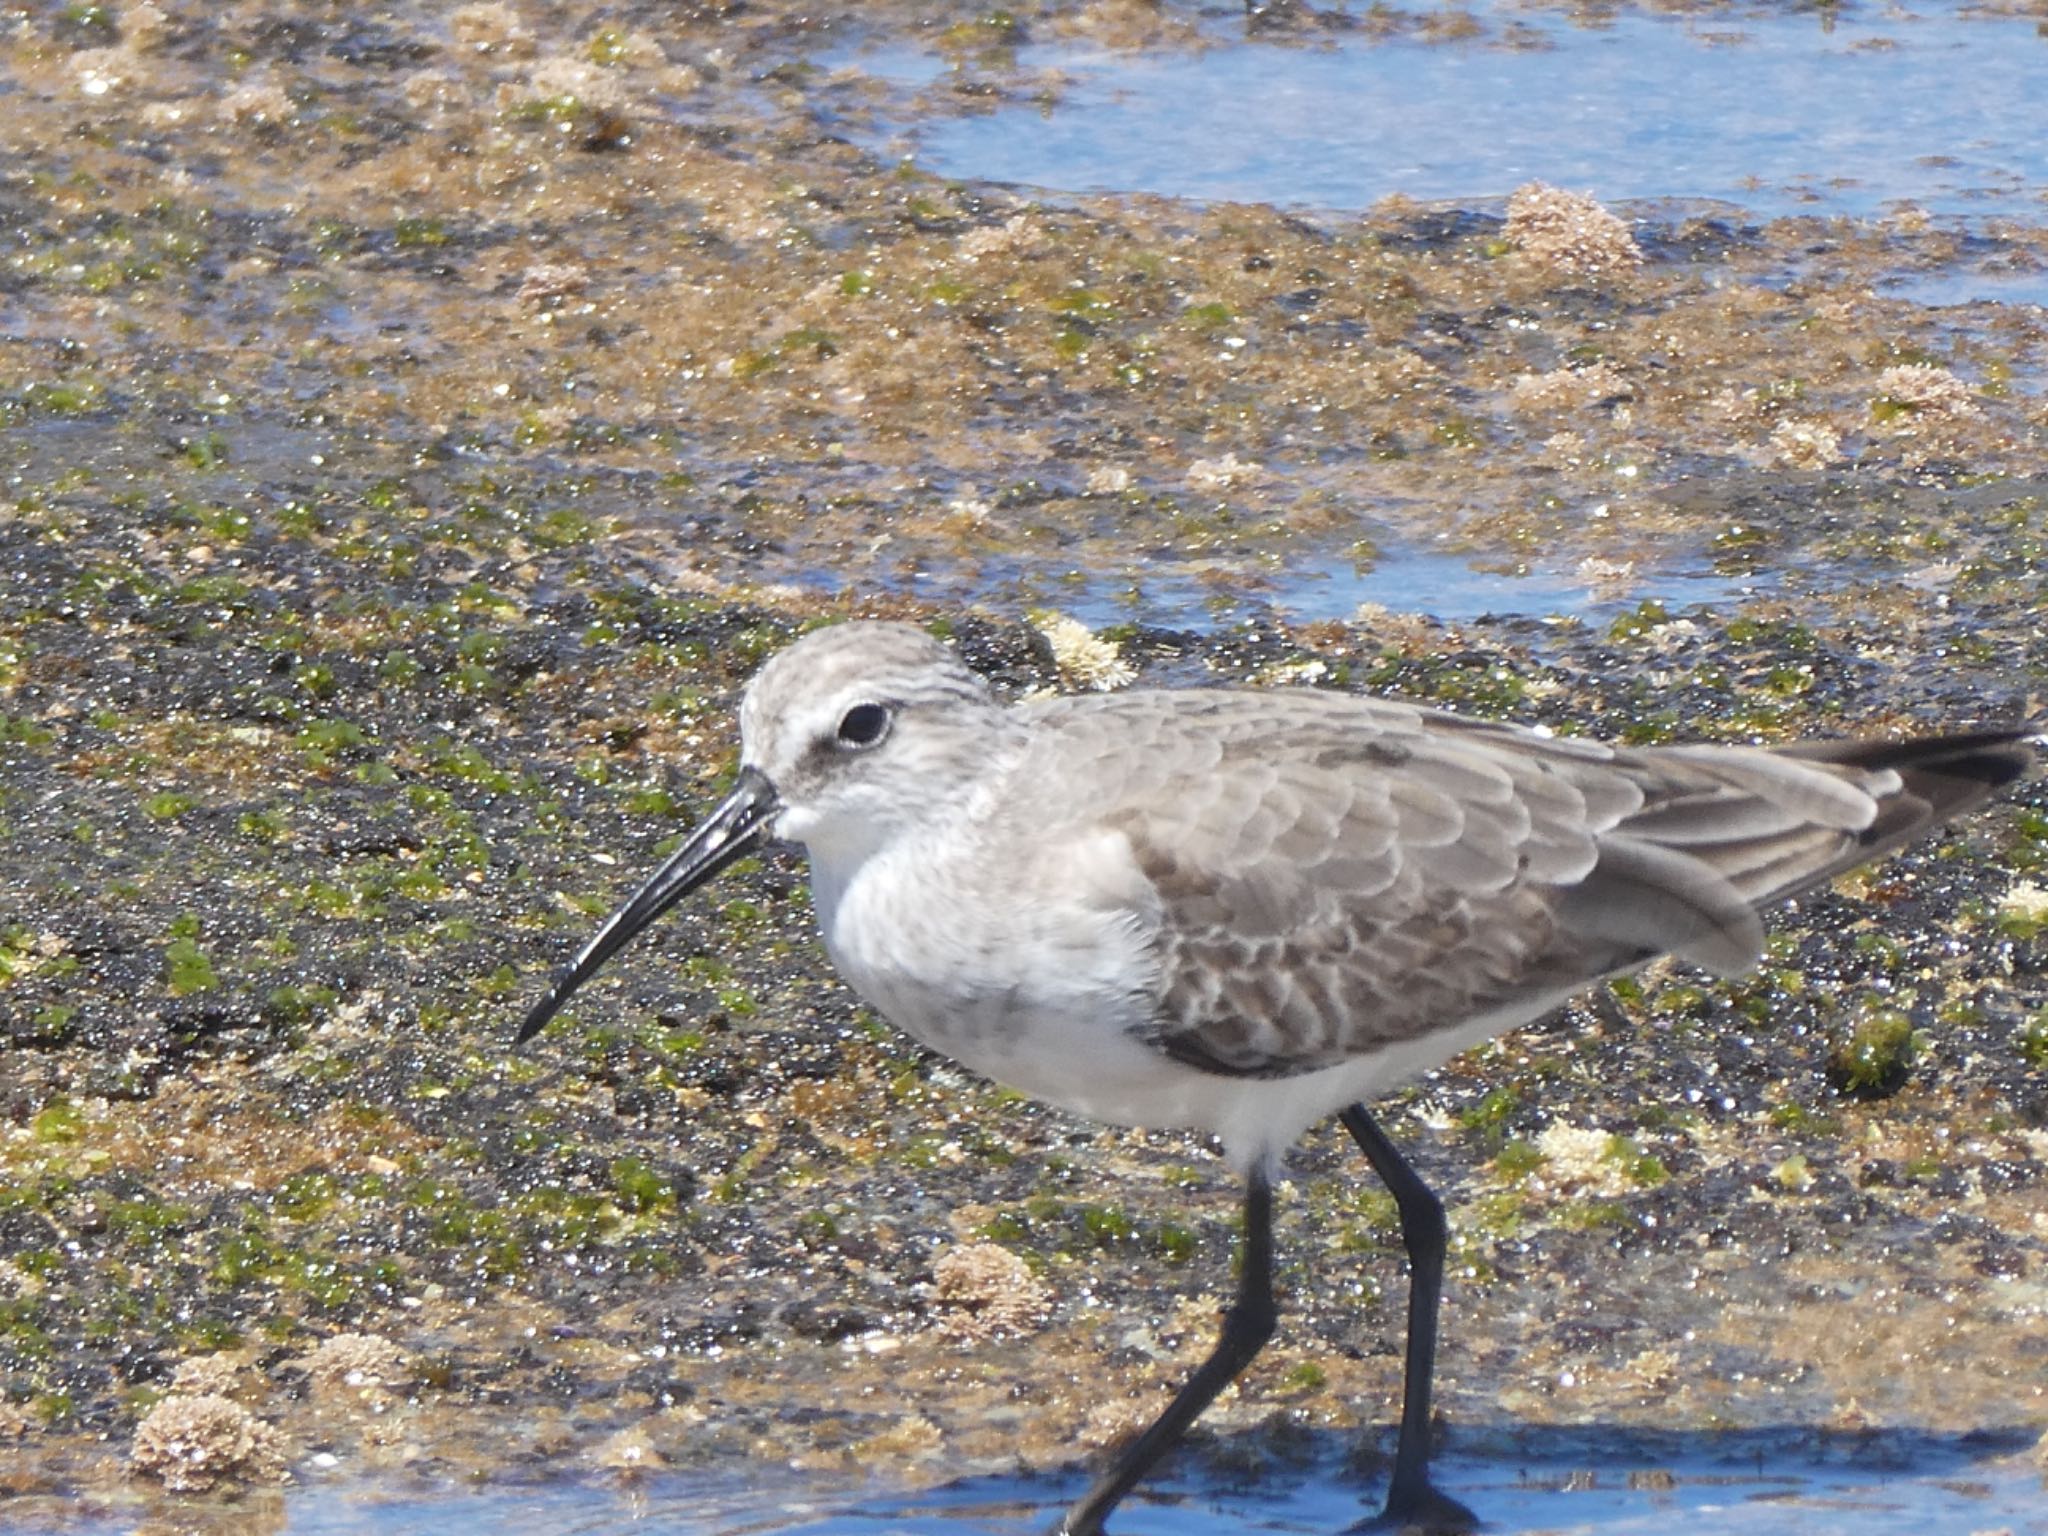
(1241, 911)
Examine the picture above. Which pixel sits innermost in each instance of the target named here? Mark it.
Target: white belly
(1041, 995)
(1047, 997)
(1050, 995)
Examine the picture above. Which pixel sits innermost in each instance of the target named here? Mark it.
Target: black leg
(1411, 1501)
(1246, 1327)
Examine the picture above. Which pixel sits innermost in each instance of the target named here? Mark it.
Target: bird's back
(1324, 874)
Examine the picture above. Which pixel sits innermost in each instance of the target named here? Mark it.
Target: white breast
(1036, 983)
(1046, 985)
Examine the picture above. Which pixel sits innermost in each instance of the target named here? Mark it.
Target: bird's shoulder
(1321, 785)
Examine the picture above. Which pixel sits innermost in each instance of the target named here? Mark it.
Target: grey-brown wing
(1334, 873)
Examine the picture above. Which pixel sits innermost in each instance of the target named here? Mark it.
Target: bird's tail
(1735, 830)
(1939, 777)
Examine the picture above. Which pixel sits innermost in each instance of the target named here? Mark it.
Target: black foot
(1423, 1512)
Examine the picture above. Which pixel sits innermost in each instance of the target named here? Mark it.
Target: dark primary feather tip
(1943, 776)
(1992, 758)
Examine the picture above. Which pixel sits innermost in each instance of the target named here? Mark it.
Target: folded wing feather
(1367, 871)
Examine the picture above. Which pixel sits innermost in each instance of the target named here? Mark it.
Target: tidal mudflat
(415, 425)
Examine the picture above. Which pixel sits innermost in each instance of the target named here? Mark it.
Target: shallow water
(1796, 1485)
(1831, 111)
(1727, 116)
(1453, 587)
(1447, 584)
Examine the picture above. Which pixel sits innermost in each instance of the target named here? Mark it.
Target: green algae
(2031, 1041)
(1877, 1051)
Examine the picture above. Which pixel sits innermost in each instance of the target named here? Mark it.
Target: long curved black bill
(727, 834)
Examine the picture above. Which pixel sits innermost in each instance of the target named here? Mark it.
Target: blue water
(1827, 109)
(1451, 587)
(1457, 587)
(1791, 1484)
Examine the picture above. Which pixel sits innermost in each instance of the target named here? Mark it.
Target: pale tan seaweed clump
(206, 1376)
(257, 104)
(1804, 443)
(194, 1444)
(1017, 235)
(1928, 411)
(911, 1435)
(1085, 659)
(1223, 474)
(1114, 1420)
(576, 96)
(1578, 1158)
(1924, 392)
(629, 1452)
(359, 1360)
(102, 71)
(1568, 232)
(1567, 389)
(491, 27)
(145, 26)
(984, 1291)
(2025, 906)
(549, 284)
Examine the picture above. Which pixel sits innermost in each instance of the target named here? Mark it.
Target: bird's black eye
(863, 725)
